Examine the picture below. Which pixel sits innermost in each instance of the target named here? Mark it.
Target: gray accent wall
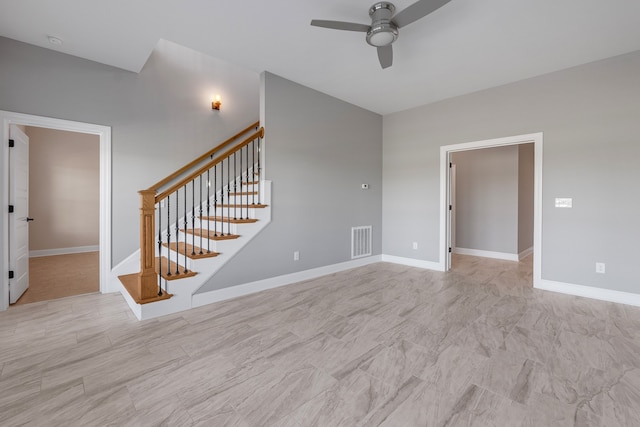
(319, 150)
(161, 118)
(589, 116)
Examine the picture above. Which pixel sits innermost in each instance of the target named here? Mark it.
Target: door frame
(8, 118)
(445, 187)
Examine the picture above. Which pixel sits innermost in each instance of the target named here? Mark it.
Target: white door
(19, 219)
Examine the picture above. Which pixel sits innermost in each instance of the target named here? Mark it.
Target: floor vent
(360, 241)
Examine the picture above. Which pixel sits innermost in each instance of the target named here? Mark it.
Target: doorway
(64, 208)
(446, 198)
(103, 133)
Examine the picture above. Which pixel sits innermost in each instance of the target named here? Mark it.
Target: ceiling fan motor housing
(383, 32)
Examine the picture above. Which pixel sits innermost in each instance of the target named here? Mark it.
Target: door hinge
(450, 164)
(10, 208)
(450, 207)
(12, 143)
(10, 274)
(449, 249)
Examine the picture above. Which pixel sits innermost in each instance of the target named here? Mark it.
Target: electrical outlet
(600, 267)
(415, 245)
(296, 256)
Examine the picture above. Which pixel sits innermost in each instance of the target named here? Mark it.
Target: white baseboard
(486, 254)
(522, 255)
(411, 262)
(63, 251)
(589, 292)
(210, 297)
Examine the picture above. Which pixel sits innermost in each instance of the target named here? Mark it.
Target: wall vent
(360, 241)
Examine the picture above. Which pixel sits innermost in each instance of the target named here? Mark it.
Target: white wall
(589, 117)
(64, 189)
(161, 118)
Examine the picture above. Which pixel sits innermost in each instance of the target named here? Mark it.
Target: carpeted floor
(58, 276)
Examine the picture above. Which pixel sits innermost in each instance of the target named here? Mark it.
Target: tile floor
(379, 345)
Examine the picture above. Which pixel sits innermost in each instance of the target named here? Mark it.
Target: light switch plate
(564, 202)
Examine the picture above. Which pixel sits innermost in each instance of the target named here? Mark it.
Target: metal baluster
(168, 238)
(253, 170)
(241, 186)
(193, 218)
(259, 171)
(222, 194)
(235, 188)
(229, 195)
(200, 215)
(177, 228)
(160, 249)
(208, 211)
(215, 201)
(186, 227)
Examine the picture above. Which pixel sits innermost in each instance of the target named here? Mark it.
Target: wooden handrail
(209, 165)
(209, 153)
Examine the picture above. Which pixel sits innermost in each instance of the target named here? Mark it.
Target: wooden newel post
(148, 278)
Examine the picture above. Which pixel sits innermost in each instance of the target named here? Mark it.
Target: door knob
(29, 219)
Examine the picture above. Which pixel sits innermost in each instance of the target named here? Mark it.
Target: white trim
(63, 251)
(210, 297)
(104, 133)
(522, 255)
(486, 254)
(590, 292)
(411, 262)
(446, 150)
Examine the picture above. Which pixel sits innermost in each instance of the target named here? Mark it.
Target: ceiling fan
(383, 30)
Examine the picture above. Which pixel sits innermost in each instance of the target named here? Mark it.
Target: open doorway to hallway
(497, 199)
(64, 203)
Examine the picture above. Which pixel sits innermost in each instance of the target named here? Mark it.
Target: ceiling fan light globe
(382, 35)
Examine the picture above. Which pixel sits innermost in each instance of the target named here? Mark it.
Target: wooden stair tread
(231, 220)
(192, 251)
(130, 283)
(243, 193)
(251, 183)
(210, 234)
(243, 206)
(174, 276)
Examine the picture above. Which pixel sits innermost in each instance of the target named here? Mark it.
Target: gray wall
(589, 116)
(319, 150)
(487, 199)
(526, 175)
(161, 118)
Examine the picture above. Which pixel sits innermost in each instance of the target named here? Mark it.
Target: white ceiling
(465, 46)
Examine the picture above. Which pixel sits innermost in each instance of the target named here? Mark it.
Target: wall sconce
(216, 103)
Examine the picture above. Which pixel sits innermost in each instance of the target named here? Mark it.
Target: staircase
(193, 222)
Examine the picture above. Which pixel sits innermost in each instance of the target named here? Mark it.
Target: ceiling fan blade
(416, 11)
(339, 25)
(385, 55)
